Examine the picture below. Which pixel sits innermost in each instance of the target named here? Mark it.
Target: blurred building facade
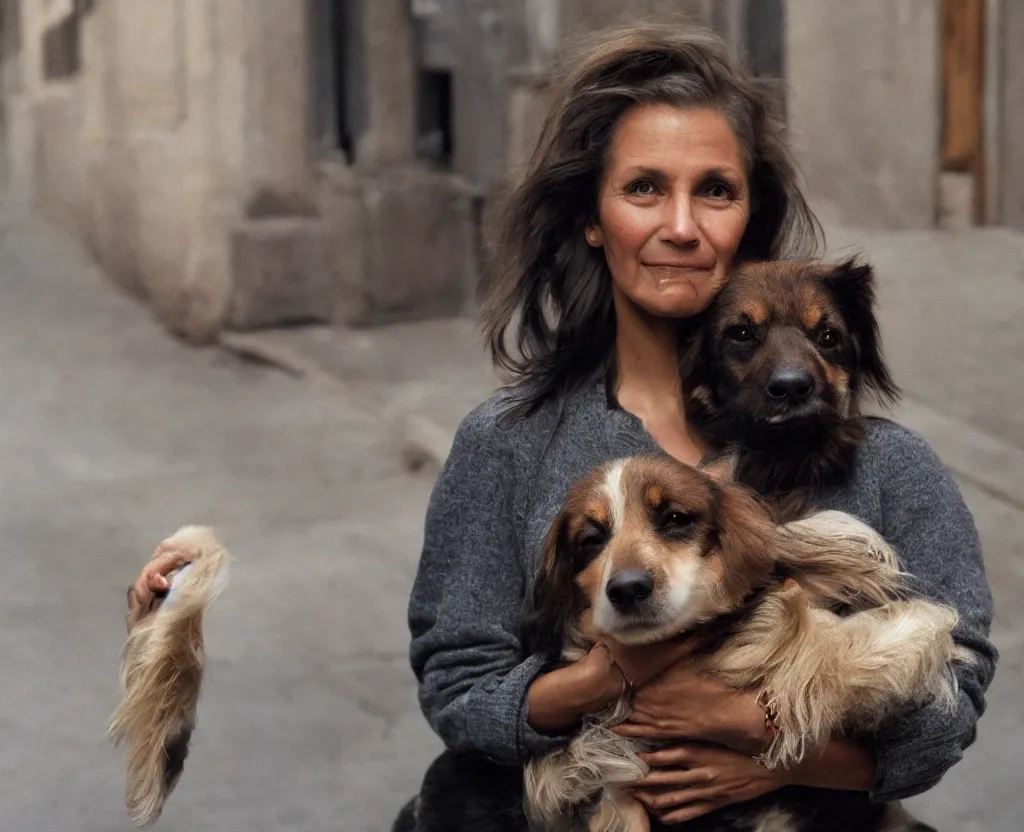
(248, 163)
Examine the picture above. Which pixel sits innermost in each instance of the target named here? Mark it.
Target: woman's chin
(677, 305)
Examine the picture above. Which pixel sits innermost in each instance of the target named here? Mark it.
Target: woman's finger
(157, 569)
(664, 801)
(175, 547)
(690, 812)
(678, 777)
(680, 756)
(636, 730)
(139, 592)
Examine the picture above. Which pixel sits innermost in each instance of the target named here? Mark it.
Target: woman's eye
(719, 190)
(643, 187)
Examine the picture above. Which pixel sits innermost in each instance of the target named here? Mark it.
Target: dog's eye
(672, 520)
(740, 333)
(828, 338)
(589, 543)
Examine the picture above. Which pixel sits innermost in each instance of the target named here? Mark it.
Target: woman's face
(672, 208)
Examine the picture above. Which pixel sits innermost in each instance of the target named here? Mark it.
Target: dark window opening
(434, 117)
(62, 44)
(339, 108)
(339, 34)
(765, 37)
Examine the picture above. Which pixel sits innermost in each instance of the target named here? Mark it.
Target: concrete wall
(1011, 132)
(864, 107)
(185, 150)
(184, 121)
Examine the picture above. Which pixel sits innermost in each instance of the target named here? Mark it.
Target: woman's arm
(557, 701)
(477, 689)
(928, 523)
(466, 599)
(839, 765)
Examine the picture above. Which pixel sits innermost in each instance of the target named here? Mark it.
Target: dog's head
(642, 550)
(787, 348)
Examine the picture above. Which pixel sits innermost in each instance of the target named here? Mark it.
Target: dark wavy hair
(554, 294)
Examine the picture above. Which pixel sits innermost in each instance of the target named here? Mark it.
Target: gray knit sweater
(500, 489)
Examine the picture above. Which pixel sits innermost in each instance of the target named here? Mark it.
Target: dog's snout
(629, 587)
(791, 384)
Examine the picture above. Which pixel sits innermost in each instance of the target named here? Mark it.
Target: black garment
(468, 793)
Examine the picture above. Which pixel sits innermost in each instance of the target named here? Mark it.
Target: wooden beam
(963, 58)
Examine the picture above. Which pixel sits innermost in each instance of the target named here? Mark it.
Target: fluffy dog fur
(161, 676)
(646, 549)
(779, 370)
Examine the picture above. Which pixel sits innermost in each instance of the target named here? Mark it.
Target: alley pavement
(295, 446)
(112, 435)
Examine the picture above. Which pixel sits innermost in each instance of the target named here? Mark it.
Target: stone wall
(1010, 143)
(186, 142)
(173, 131)
(864, 83)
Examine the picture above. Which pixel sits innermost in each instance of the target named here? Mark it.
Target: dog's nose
(789, 383)
(629, 587)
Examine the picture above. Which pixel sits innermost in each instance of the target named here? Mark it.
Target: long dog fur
(161, 676)
(839, 651)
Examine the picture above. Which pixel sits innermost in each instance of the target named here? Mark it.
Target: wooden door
(963, 60)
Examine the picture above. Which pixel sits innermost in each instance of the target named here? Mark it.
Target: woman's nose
(680, 226)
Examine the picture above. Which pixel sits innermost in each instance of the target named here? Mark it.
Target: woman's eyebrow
(645, 172)
(723, 172)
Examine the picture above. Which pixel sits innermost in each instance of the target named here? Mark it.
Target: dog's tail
(835, 556)
(161, 676)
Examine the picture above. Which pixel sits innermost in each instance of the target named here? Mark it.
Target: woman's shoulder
(493, 426)
(901, 461)
(893, 443)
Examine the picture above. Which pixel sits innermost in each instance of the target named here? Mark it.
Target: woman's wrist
(558, 700)
(740, 724)
(840, 764)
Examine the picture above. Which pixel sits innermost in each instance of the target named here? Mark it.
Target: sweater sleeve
(926, 520)
(467, 599)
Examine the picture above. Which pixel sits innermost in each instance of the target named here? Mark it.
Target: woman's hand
(694, 778)
(557, 700)
(147, 593)
(681, 704)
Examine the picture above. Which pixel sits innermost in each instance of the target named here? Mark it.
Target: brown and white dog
(161, 675)
(778, 373)
(647, 548)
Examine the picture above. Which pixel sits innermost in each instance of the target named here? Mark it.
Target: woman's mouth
(676, 271)
(666, 274)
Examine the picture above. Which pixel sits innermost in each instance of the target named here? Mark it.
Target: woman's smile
(672, 208)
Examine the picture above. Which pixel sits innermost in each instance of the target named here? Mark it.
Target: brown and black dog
(778, 372)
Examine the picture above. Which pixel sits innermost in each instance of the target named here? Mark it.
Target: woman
(657, 171)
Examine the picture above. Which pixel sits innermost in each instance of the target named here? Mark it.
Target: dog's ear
(746, 536)
(697, 364)
(555, 603)
(852, 286)
(721, 467)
